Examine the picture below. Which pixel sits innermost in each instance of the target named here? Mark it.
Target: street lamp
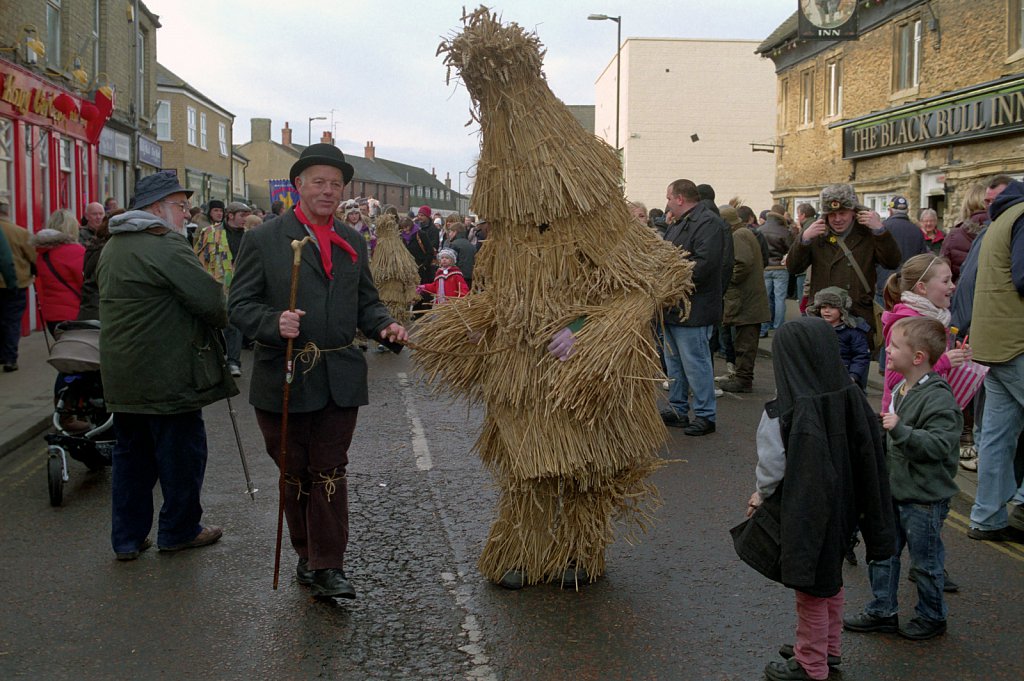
(309, 128)
(618, 66)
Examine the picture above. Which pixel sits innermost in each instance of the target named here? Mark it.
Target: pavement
(26, 398)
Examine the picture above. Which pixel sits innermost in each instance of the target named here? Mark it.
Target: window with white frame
(783, 109)
(143, 98)
(54, 22)
(191, 117)
(1015, 25)
(908, 55)
(879, 202)
(813, 200)
(163, 120)
(222, 138)
(834, 76)
(95, 37)
(807, 97)
(7, 161)
(202, 129)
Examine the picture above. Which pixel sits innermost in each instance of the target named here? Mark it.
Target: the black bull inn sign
(951, 118)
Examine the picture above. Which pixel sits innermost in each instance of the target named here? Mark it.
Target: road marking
(36, 462)
(475, 649)
(419, 438)
(1015, 551)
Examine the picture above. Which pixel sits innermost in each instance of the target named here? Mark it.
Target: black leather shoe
(699, 426)
(331, 583)
(1007, 534)
(303, 575)
(920, 629)
(513, 579)
(790, 670)
(865, 622)
(574, 577)
(786, 651)
(674, 420)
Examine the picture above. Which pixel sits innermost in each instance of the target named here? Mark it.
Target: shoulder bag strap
(856, 267)
(46, 259)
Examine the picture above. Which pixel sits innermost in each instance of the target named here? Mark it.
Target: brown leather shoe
(208, 535)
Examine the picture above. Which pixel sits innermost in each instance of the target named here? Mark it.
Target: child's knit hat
(447, 252)
(836, 297)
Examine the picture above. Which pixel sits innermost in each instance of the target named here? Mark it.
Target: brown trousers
(745, 337)
(316, 489)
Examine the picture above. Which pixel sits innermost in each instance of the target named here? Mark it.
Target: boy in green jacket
(923, 425)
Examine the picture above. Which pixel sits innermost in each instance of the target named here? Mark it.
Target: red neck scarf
(325, 237)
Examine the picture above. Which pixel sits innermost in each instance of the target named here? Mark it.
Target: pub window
(222, 138)
(191, 113)
(1015, 25)
(834, 75)
(53, 31)
(202, 129)
(908, 54)
(163, 120)
(783, 109)
(807, 97)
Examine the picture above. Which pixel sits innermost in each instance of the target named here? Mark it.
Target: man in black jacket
(693, 228)
(908, 237)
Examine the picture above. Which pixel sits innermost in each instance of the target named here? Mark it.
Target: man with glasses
(162, 361)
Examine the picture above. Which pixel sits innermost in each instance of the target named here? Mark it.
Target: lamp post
(461, 173)
(309, 128)
(618, 66)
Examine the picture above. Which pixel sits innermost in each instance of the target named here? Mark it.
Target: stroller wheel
(55, 475)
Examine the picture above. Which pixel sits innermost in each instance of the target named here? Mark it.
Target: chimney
(448, 180)
(260, 129)
(327, 137)
(286, 135)
(369, 152)
(433, 171)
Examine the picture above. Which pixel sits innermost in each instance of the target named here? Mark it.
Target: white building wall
(673, 88)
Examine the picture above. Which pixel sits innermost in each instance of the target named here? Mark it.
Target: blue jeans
(997, 444)
(12, 309)
(689, 363)
(169, 448)
(233, 345)
(919, 528)
(775, 284)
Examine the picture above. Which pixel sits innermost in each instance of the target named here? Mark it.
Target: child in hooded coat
(448, 280)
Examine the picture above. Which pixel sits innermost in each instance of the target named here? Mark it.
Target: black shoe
(1007, 534)
(8, 368)
(866, 622)
(790, 670)
(920, 629)
(574, 577)
(674, 420)
(734, 385)
(513, 579)
(331, 583)
(699, 426)
(303, 575)
(786, 651)
(132, 555)
(850, 556)
(949, 587)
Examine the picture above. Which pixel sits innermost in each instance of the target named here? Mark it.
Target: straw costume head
(570, 443)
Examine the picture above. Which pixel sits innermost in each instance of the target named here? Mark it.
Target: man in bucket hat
(162, 361)
(843, 247)
(336, 298)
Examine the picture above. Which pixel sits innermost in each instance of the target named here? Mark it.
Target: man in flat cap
(162, 361)
(336, 297)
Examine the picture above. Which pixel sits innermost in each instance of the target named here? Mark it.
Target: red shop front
(48, 153)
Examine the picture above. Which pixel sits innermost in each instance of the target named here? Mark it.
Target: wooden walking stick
(289, 372)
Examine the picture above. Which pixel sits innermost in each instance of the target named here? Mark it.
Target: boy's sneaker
(920, 629)
(865, 622)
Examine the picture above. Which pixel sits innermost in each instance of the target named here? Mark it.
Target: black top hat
(152, 188)
(322, 155)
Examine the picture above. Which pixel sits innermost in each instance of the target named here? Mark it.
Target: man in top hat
(842, 248)
(162, 361)
(336, 298)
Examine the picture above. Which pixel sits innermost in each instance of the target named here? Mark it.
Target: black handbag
(757, 539)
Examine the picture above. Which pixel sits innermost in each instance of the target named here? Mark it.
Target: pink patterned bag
(965, 380)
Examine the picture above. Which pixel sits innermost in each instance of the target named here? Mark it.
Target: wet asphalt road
(677, 605)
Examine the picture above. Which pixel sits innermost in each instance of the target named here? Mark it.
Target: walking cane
(288, 374)
(249, 487)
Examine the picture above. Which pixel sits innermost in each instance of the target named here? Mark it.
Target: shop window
(191, 117)
(163, 120)
(907, 54)
(202, 130)
(65, 179)
(834, 76)
(222, 138)
(879, 203)
(54, 20)
(7, 161)
(1015, 26)
(807, 97)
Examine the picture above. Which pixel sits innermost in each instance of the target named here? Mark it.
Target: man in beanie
(162, 361)
(908, 237)
(843, 247)
(336, 298)
(430, 232)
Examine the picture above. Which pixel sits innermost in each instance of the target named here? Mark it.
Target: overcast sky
(370, 66)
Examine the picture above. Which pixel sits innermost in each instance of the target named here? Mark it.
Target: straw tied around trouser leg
(570, 439)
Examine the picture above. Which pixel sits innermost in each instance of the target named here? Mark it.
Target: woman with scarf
(421, 247)
(820, 471)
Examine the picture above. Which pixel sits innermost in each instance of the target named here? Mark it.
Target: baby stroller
(83, 428)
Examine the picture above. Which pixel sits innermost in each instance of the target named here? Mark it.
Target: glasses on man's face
(183, 205)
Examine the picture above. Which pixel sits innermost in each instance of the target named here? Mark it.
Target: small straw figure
(394, 270)
(570, 443)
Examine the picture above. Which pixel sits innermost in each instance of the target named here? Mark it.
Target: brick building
(196, 135)
(927, 101)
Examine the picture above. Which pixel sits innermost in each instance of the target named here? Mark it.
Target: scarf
(407, 237)
(925, 307)
(325, 234)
